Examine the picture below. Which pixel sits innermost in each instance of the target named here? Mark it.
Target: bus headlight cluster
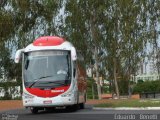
(68, 94)
(27, 96)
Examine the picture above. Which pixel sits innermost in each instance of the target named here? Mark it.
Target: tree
(83, 23)
(20, 24)
(117, 27)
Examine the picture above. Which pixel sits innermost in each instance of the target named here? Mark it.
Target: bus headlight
(68, 94)
(27, 96)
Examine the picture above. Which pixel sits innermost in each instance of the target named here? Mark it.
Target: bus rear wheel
(34, 110)
(82, 105)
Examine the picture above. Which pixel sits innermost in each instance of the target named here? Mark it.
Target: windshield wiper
(58, 82)
(37, 79)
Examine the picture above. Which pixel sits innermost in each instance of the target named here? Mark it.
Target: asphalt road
(86, 114)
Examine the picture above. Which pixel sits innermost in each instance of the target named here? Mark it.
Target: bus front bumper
(49, 102)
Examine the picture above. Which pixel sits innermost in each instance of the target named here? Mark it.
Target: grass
(129, 103)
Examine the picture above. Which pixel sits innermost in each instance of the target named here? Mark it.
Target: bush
(147, 86)
(18, 98)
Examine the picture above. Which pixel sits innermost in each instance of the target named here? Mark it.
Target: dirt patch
(10, 104)
(94, 102)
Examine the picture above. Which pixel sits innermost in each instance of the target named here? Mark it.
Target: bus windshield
(46, 68)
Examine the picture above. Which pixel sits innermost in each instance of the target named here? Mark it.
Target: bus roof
(48, 41)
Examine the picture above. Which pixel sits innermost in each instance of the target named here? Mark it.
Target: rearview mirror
(18, 55)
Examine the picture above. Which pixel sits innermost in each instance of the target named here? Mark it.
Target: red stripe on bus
(48, 93)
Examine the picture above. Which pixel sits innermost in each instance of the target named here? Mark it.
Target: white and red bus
(52, 73)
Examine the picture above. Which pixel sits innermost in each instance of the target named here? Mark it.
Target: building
(147, 69)
(145, 77)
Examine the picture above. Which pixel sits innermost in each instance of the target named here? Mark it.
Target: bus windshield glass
(47, 68)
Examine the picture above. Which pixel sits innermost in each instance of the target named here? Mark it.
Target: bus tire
(72, 108)
(49, 109)
(82, 105)
(34, 110)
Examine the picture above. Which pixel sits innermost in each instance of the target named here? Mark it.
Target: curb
(127, 108)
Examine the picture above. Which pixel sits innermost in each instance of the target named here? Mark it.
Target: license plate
(47, 102)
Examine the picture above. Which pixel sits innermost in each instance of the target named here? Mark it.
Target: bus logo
(57, 91)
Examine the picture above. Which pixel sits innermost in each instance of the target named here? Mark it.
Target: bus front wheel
(72, 108)
(34, 110)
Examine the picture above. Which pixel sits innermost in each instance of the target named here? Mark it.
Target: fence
(151, 95)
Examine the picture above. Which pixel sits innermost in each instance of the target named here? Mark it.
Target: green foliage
(10, 86)
(140, 81)
(147, 86)
(19, 23)
(121, 28)
(17, 98)
(10, 98)
(123, 87)
(90, 92)
(105, 89)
